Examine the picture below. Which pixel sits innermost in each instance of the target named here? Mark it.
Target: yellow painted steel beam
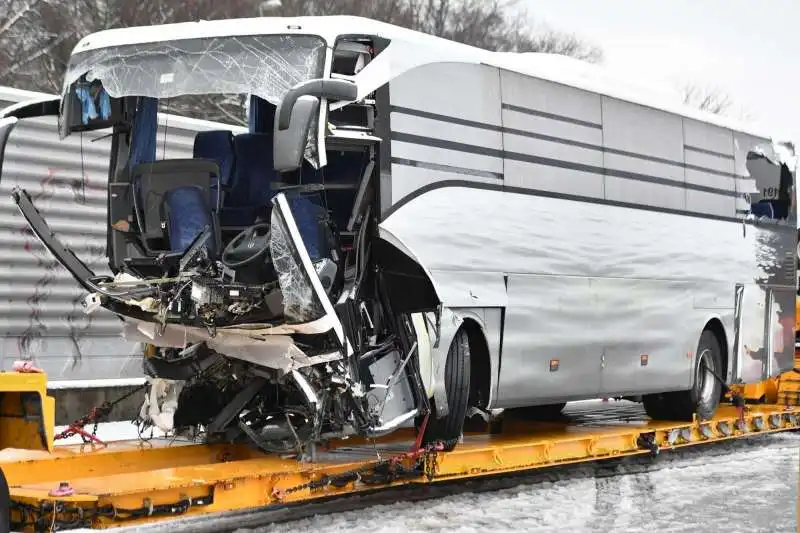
(27, 413)
(123, 483)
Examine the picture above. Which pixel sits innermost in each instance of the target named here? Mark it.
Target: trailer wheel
(704, 396)
(456, 383)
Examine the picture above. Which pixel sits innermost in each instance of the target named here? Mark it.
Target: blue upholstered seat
(216, 145)
(187, 216)
(310, 216)
(253, 178)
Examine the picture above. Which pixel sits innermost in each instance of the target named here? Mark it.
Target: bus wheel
(456, 382)
(704, 396)
(657, 406)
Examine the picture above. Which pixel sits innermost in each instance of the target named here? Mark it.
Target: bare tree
(25, 41)
(707, 99)
(37, 36)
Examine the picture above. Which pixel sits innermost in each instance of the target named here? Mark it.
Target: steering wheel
(247, 247)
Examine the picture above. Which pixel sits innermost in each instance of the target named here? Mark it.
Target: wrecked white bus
(413, 231)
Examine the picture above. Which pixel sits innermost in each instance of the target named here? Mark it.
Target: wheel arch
(409, 285)
(482, 372)
(480, 362)
(714, 325)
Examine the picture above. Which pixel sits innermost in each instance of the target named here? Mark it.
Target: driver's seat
(174, 203)
(187, 216)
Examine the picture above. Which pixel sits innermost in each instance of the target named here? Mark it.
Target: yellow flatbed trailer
(106, 485)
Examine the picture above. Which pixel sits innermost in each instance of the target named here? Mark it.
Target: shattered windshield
(264, 65)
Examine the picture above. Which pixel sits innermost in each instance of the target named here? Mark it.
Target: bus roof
(551, 67)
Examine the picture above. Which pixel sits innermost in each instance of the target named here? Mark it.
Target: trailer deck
(125, 483)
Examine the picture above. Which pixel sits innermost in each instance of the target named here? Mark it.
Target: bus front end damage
(282, 330)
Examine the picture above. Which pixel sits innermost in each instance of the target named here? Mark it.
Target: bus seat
(187, 215)
(310, 217)
(216, 145)
(253, 178)
(154, 180)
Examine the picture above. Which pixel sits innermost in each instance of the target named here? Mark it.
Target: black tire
(657, 406)
(704, 396)
(456, 382)
(539, 412)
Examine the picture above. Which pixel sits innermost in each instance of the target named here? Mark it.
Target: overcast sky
(748, 48)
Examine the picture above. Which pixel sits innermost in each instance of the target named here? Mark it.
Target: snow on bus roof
(551, 67)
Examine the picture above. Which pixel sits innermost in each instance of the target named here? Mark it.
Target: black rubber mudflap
(5, 504)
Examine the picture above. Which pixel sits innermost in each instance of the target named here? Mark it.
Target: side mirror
(294, 115)
(289, 143)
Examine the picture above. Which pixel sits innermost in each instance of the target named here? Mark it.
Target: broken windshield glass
(264, 65)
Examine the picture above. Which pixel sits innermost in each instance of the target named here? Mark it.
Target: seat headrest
(253, 145)
(255, 171)
(216, 145)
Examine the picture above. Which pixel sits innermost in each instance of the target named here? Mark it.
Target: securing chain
(62, 516)
(737, 399)
(94, 416)
(381, 472)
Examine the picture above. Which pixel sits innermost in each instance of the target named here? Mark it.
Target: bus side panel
(436, 111)
(708, 152)
(551, 344)
(644, 331)
(562, 257)
(529, 199)
(644, 157)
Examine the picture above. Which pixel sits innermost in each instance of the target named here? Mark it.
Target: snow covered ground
(742, 487)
